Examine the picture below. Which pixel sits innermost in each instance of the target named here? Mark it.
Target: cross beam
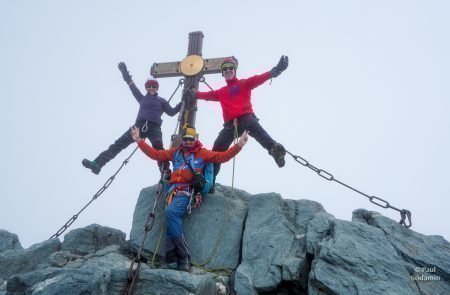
(193, 67)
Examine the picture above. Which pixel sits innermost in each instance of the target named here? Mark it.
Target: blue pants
(176, 247)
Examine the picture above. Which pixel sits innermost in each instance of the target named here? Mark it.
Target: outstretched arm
(171, 111)
(158, 155)
(222, 157)
(257, 80)
(210, 95)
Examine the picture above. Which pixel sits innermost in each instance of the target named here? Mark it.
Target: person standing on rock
(182, 186)
(151, 108)
(235, 99)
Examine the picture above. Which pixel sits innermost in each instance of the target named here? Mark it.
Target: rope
(159, 240)
(219, 239)
(96, 195)
(235, 140)
(405, 215)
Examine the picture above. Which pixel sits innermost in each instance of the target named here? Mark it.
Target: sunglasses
(227, 69)
(188, 139)
(152, 86)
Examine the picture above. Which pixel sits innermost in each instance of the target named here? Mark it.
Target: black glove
(280, 67)
(125, 74)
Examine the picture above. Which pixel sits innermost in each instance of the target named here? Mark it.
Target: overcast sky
(365, 97)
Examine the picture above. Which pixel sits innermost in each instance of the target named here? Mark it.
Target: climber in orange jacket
(189, 153)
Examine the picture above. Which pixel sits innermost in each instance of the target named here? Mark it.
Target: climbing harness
(135, 265)
(145, 127)
(97, 194)
(405, 215)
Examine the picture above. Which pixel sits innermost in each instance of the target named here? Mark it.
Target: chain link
(97, 194)
(405, 214)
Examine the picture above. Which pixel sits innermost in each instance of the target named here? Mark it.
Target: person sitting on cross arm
(181, 186)
(151, 108)
(235, 99)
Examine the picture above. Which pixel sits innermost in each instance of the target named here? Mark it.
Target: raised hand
(280, 67)
(125, 74)
(243, 139)
(135, 134)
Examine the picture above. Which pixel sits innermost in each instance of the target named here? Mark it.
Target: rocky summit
(240, 244)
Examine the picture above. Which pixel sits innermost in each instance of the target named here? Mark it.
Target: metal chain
(203, 80)
(97, 194)
(405, 215)
(180, 82)
(135, 265)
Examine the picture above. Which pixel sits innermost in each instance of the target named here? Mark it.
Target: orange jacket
(181, 172)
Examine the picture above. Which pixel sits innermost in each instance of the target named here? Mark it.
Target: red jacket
(235, 97)
(181, 172)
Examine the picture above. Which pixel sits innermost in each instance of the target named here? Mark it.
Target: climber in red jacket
(235, 99)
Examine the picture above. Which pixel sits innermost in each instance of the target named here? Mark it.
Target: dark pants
(175, 246)
(152, 131)
(245, 122)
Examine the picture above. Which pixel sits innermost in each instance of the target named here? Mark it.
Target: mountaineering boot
(184, 267)
(95, 168)
(278, 152)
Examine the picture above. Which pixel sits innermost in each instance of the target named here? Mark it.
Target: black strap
(189, 165)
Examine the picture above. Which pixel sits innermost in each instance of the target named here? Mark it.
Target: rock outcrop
(241, 244)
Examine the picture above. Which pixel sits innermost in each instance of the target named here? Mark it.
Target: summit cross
(192, 67)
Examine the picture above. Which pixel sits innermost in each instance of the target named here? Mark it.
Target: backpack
(202, 182)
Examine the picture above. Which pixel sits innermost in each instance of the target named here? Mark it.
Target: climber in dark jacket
(151, 108)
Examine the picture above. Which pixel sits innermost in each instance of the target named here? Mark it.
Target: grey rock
(91, 276)
(213, 231)
(61, 258)
(91, 239)
(427, 258)
(9, 241)
(105, 272)
(273, 248)
(161, 281)
(22, 261)
(243, 280)
(354, 258)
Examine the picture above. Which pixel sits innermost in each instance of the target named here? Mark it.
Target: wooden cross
(193, 67)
